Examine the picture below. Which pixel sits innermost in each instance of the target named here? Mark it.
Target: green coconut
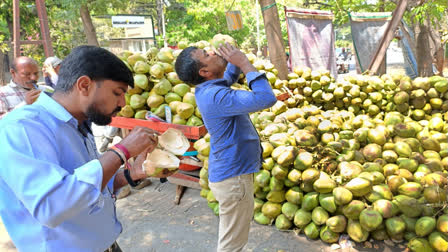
(425, 225)
(294, 195)
(262, 219)
(328, 236)
(342, 196)
(370, 219)
(353, 209)
(289, 209)
(312, 231)
(419, 245)
(282, 222)
(302, 218)
(319, 215)
(337, 223)
(356, 232)
(438, 241)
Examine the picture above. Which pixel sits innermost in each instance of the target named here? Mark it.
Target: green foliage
(187, 20)
(203, 19)
(435, 10)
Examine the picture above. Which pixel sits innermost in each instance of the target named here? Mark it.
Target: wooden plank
(30, 42)
(16, 28)
(44, 30)
(276, 46)
(191, 132)
(184, 180)
(380, 53)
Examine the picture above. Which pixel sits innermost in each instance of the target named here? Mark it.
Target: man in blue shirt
(235, 150)
(56, 192)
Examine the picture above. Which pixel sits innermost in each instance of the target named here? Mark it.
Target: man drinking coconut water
(235, 151)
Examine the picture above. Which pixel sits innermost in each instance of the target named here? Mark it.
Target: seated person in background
(51, 70)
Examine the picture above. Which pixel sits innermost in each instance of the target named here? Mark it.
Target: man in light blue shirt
(56, 192)
(235, 150)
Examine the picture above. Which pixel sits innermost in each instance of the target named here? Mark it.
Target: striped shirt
(11, 96)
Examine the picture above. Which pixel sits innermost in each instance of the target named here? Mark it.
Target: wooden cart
(188, 174)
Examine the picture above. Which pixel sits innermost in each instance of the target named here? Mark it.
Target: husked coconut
(174, 141)
(163, 160)
(160, 162)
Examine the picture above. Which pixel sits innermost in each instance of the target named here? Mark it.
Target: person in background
(343, 55)
(51, 70)
(22, 89)
(235, 150)
(56, 191)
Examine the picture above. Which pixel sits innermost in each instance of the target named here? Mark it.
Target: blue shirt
(50, 182)
(234, 143)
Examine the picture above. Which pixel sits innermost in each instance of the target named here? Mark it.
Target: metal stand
(44, 30)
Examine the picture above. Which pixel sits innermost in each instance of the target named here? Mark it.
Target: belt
(113, 248)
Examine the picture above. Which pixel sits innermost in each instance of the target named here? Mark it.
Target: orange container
(188, 164)
(282, 97)
(191, 132)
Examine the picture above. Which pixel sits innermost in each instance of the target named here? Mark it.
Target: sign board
(128, 21)
(234, 20)
(144, 31)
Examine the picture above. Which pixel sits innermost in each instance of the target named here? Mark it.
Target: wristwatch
(131, 182)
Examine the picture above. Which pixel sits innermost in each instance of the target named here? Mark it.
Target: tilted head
(96, 80)
(24, 72)
(54, 62)
(194, 66)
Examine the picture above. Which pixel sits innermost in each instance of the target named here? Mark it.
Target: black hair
(187, 68)
(96, 63)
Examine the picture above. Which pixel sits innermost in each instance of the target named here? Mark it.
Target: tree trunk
(440, 60)
(89, 29)
(276, 47)
(159, 16)
(5, 57)
(382, 6)
(437, 48)
(424, 54)
(2, 68)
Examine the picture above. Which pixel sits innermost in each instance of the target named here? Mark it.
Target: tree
(89, 28)
(274, 36)
(425, 17)
(99, 7)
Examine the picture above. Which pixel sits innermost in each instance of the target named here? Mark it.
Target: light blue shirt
(50, 182)
(234, 143)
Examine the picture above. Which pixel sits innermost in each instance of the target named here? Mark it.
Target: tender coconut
(160, 162)
(174, 141)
